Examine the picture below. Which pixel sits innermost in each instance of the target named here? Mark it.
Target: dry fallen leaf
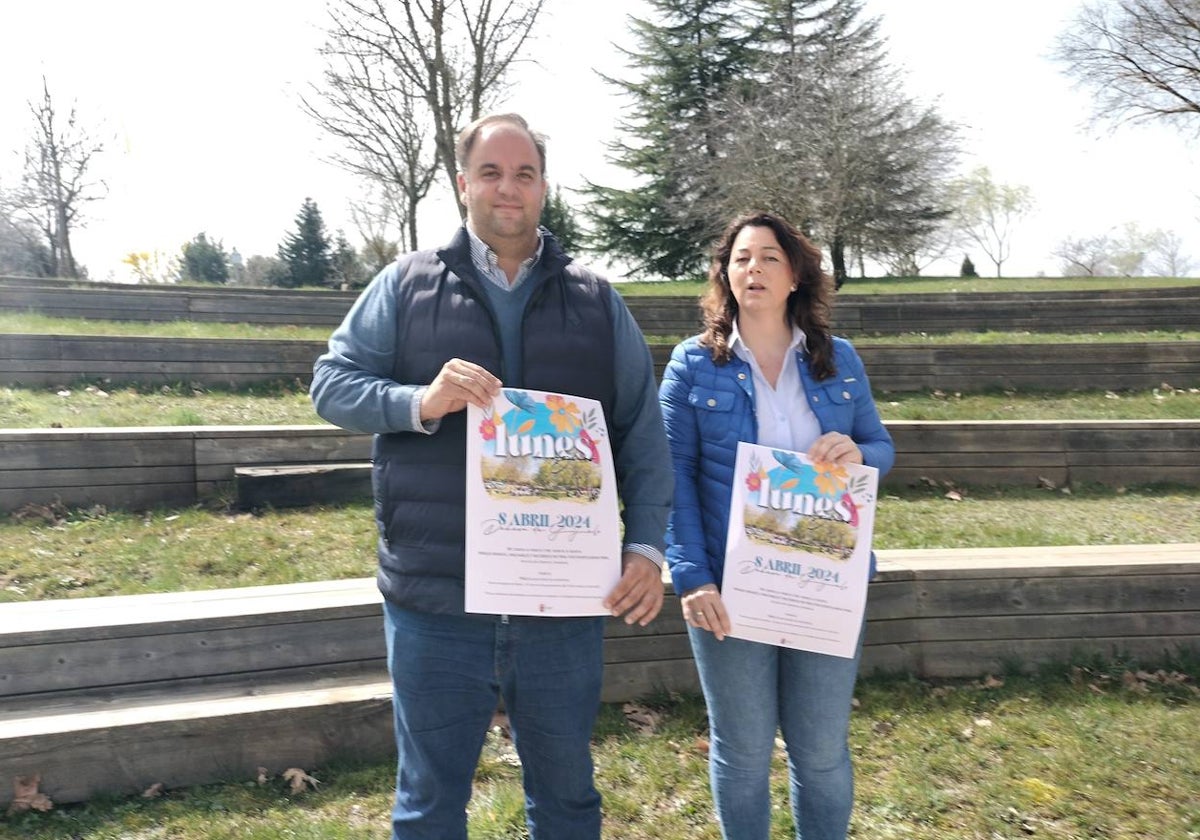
(992, 682)
(298, 780)
(263, 775)
(26, 796)
(644, 720)
(154, 791)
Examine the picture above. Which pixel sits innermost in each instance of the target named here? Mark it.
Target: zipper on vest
(504, 619)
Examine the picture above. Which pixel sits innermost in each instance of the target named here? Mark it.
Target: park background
(1079, 746)
(201, 110)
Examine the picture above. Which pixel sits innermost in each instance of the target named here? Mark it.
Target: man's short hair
(469, 135)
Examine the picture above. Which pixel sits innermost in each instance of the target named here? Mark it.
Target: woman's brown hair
(809, 307)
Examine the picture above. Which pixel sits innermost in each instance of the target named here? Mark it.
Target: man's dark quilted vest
(420, 480)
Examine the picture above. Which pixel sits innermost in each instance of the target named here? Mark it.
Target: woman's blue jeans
(447, 673)
(752, 690)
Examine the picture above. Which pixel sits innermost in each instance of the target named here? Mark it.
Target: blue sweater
(707, 408)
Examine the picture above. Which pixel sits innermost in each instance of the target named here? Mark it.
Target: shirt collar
(484, 258)
(738, 344)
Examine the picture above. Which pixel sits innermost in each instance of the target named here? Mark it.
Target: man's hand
(638, 595)
(458, 382)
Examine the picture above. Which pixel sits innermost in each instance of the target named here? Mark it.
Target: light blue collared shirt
(785, 420)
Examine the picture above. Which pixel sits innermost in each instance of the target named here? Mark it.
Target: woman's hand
(703, 608)
(835, 448)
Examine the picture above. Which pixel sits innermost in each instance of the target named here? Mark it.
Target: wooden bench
(66, 360)
(855, 315)
(137, 468)
(115, 694)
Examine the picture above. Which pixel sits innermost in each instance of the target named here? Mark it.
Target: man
(433, 332)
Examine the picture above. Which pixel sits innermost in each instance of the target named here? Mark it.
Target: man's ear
(461, 181)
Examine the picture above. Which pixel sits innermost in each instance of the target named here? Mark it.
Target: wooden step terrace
(112, 695)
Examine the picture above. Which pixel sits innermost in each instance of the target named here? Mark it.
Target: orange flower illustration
(564, 416)
(831, 478)
(754, 479)
(487, 429)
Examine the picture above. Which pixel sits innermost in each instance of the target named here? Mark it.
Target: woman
(765, 370)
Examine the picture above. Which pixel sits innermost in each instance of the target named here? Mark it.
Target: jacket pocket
(707, 399)
(715, 414)
(835, 401)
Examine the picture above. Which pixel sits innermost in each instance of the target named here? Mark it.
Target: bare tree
(22, 249)
(830, 141)
(987, 212)
(57, 181)
(377, 114)
(1086, 256)
(1167, 257)
(1140, 58)
(397, 67)
(376, 217)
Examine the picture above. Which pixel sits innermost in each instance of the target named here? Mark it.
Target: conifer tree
(686, 59)
(204, 261)
(559, 219)
(307, 253)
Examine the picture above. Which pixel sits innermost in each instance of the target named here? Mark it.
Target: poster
(543, 531)
(797, 557)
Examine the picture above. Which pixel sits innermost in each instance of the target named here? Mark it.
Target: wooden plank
(120, 615)
(944, 660)
(298, 486)
(185, 655)
(114, 497)
(1037, 561)
(632, 680)
(1039, 596)
(194, 742)
(93, 449)
(648, 648)
(1125, 625)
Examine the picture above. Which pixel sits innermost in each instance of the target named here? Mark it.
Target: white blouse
(784, 419)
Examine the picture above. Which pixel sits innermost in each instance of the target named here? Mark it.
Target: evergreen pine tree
(307, 252)
(348, 270)
(204, 261)
(559, 219)
(686, 61)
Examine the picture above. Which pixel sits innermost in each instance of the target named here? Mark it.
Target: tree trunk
(837, 253)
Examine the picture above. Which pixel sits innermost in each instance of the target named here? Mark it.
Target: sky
(200, 107)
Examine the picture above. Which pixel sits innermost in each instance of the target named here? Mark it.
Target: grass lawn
(1084, 752)
(31, 322)
(942, 285)
(83, 553)
(90, 406)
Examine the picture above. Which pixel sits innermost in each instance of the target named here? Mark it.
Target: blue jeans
(447, 673)
(753, 689)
